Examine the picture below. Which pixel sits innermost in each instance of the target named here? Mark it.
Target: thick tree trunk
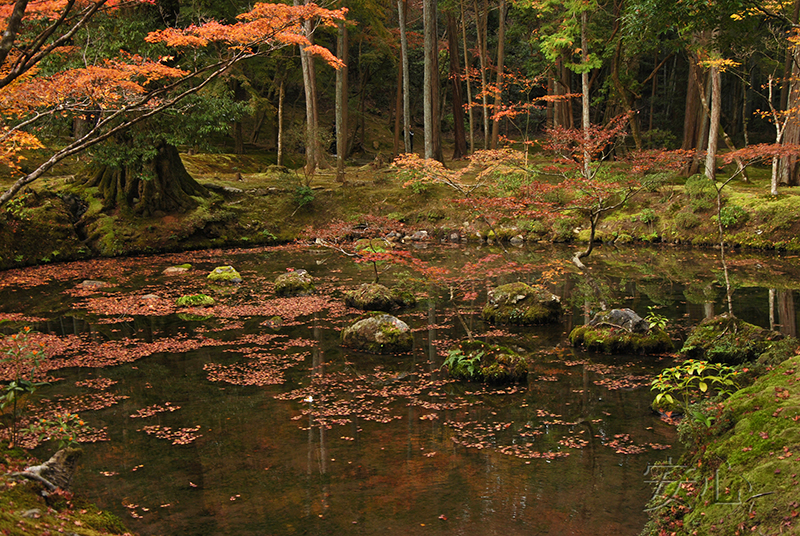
(430, 85)
(310, 88)
(460, 142)
(158, 187)
(498, 100)
(714, 120)
(790, 165)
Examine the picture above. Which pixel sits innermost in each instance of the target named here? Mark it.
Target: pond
(249, 418)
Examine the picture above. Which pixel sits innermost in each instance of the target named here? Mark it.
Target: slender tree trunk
(585, 121)
(481, 31)
(460, 145)
(398, 110)
(341, 102)
(281, 95)
(626, 102)
(498, 94)
(468, 79)
(402, 7)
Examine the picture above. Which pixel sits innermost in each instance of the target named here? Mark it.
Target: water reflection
(330, 441)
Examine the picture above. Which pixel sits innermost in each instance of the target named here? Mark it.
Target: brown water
(281, 431)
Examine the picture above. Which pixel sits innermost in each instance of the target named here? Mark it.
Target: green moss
(613, 340)
(195, 300)
(722, 339)
(519, 303)
(225, 274)
(483, 362)
(745, 476)
(294, 283)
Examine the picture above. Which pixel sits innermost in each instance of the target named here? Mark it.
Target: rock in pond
(379, 334)
(725, 339)
(195, 300)
(377, 297)
(519, 303)
(482, 362)
(178, 269)
(225, 274)
(621, 331)
(294, 283)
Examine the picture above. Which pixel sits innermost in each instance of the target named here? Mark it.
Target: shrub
(732, 216)
(687, 220)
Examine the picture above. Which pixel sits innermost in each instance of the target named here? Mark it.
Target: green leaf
(703, 386)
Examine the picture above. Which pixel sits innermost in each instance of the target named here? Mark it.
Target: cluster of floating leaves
(183, 436)
(155, 409)
(101, 384)
(261, 369)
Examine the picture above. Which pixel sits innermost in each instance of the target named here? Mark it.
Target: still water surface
(245, 424)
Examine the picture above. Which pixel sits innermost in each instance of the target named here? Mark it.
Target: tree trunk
(498, 95)
(402, 7)
(482, 34)
(714, 120)
(694, 117)
(460, 145)
(468, 78)
(281, 95)
(430, 87)
(310, 89)
(341, 103)
(160, 186)
(789, 169)
(626, 102)
(585, 122)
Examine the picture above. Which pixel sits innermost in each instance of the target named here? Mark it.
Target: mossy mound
(482, 362)
(178, 269)
(611, 339)
(195, 300)
(377, 297)
(294, 283)
(722, 339)
(379, 334)
(621, 331)
(519, 303)
(225, 274)
(747, 471)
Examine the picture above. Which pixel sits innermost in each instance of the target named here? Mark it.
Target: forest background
(280, 113)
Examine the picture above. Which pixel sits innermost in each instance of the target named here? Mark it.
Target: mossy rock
(725, 339)
(610, 339)
(377, 297)
(195, 300)
(519, 303)
(177, 269)
(294, 283)
(379, 334)
(482, 362)
(225, 274)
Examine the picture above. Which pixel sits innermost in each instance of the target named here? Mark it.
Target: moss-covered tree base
(722, 339)
(482, 362)
(614, 340)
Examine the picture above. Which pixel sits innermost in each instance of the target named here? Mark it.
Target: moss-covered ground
(25, 512)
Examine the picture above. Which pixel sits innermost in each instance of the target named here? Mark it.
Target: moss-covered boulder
(294, 283)
(377, 297)
(726, 339)
(519, 303)
(621, 331)
(379, 334)
(225, 274)
(195, 300)
(482, 362)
